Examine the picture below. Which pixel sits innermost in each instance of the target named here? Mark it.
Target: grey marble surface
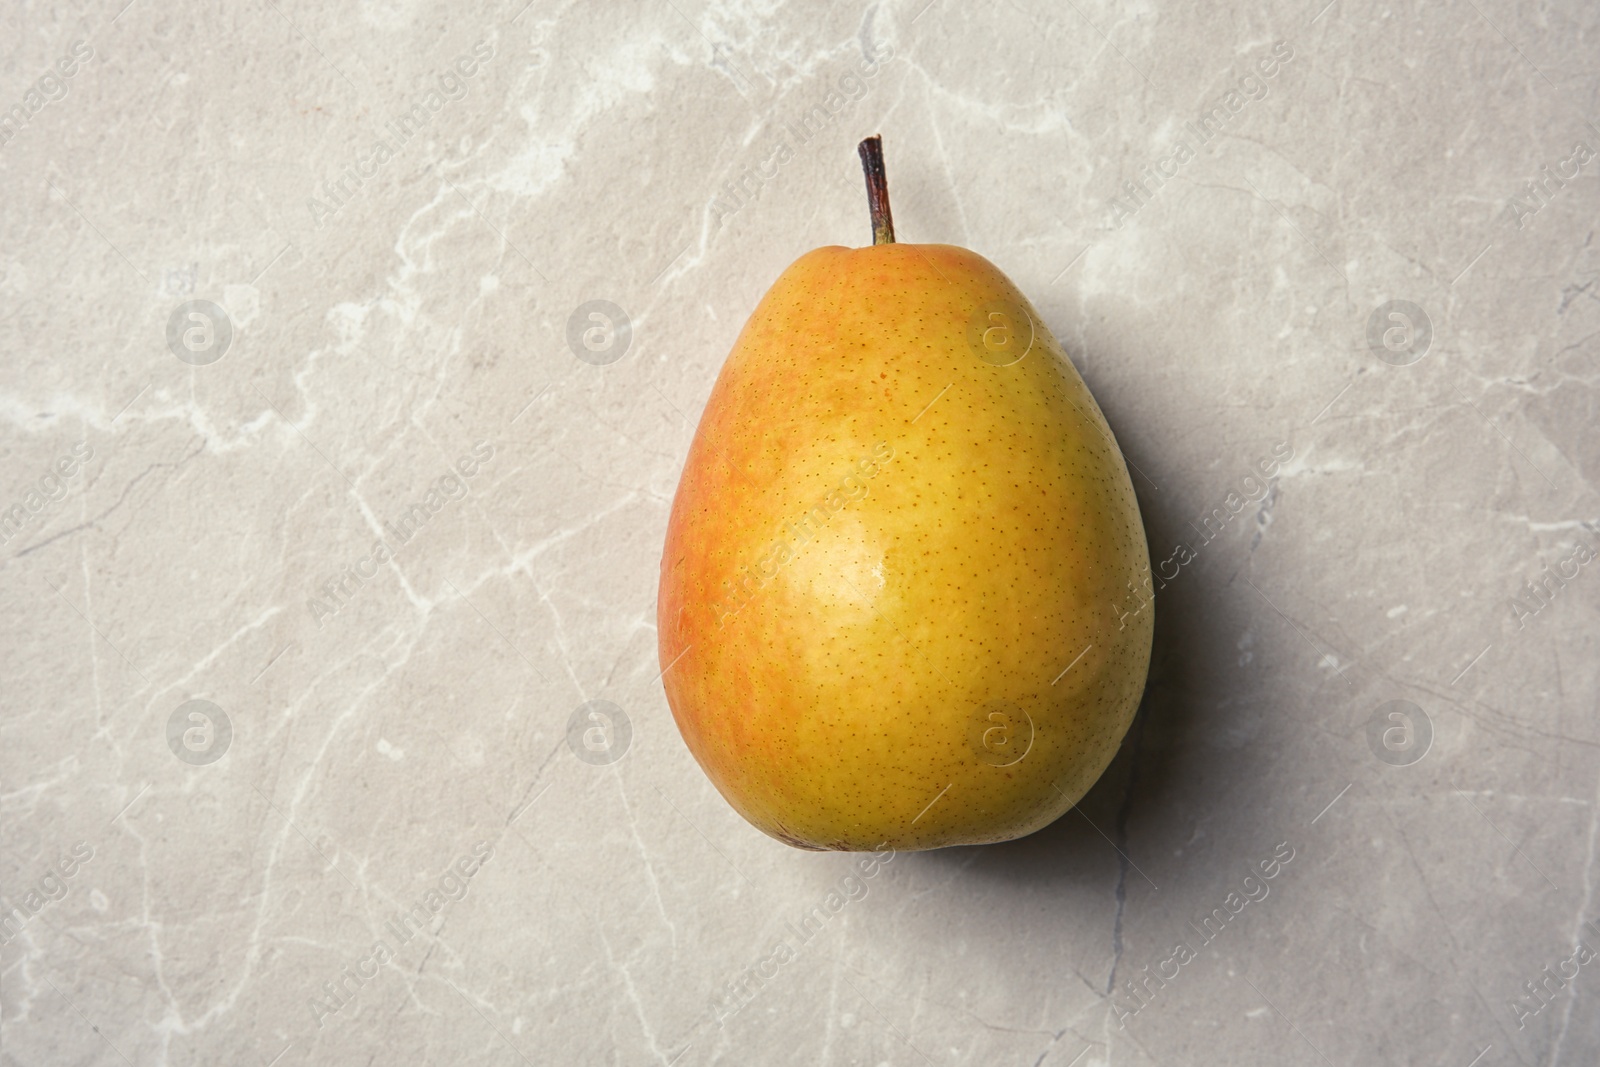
(392, 214)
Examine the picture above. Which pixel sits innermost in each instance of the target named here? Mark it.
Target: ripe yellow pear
(903, 594)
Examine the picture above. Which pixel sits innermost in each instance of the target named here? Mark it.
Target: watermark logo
(1207, 528)
(1137, 600)
(790, 134)
(199, 732)
(1539, 593)
(449, 84)
(598, 332)
(341, 991)
(50, 488)
(199, 332)
(1539, 993)
(1399, 332)
(1000, 333)
(50, 87)
(1204, 127)
(1399, 733)
(1546, 186)
(1140, 991)
(1001, 735)
(734, 995)
(454, 484)
(599, 732)
(24, 903)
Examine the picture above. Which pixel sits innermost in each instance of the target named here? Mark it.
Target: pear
(904, 592)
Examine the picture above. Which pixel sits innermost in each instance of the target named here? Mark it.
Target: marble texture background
(211, 883)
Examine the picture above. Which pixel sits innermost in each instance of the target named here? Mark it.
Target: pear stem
(871, 151)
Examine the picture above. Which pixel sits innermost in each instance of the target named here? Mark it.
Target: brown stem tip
(877, 190)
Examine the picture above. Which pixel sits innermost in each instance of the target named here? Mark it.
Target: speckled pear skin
(884, 552)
